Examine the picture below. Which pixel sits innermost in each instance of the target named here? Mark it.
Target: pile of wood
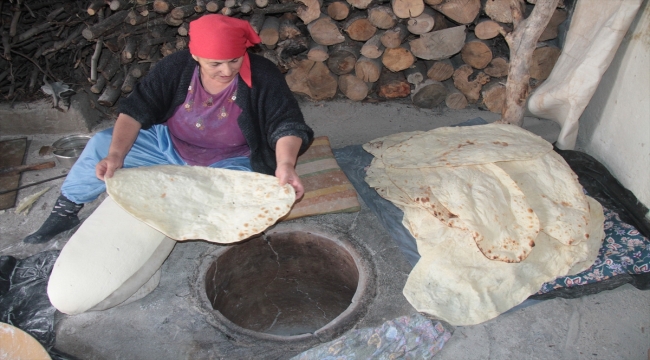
(433, 51)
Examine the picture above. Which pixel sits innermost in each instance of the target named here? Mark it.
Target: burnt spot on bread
(163, 195)
(502, 143)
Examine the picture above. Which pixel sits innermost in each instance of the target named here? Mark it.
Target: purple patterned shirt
(204, 128)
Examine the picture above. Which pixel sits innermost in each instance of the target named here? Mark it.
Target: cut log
(494, 96)
(338, 10)
(476, 53)
(212, 6)
(407, 8)
(433, 2)
(322, 83)
(312, 78)
(172, 21)
(471, 89)
(324, 31)
(352, 87)
(417, 73)
(441, 44)
(261, 3)
(200, 6)
(139, 70)
(429, 94)
(181, 12)
(429, 20)
(247, 6)
(117, 4)
(454, 100)
(358, 27)
(368, 69)
(394, 37)
(373, 48)
(128, 84)
(460, 11)
(393, 85)
(112, 91)
(489, 29)
(183, 29)
(382, 17)
(95, 6)
(498, 10)
(440, 70)
(398, 59)
(270, 31)
(317, 52)
(101, 27)
(257, 21)
(129, 53)
(162, 6)
(498, 67)
(342, 58)
(288, 29)
(289, 48)
(544, 58)
(360, 4)
(551, 30)
(111, 68)
(310, 12)
(99, 85)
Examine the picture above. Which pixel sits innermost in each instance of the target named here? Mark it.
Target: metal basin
(68, 148)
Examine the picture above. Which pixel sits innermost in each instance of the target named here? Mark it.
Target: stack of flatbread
(495, 212)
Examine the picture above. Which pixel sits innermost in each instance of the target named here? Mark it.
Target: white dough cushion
(107, 250)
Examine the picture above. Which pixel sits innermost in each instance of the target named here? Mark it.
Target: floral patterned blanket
(624, 251)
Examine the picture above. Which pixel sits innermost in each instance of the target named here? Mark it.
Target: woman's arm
(286, 155)
(124, 134)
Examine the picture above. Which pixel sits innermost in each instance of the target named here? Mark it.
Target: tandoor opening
(283, 284)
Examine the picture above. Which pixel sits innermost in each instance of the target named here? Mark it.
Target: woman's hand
(124, 134)
(107, 166)
(286, 154)
(286, 173)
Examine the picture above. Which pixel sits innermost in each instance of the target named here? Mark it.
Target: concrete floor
(173, 323)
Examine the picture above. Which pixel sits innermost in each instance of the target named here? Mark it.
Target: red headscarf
(220, 37)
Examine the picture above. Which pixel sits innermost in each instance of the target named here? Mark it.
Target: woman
(214, 105)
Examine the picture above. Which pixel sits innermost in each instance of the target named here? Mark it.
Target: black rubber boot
(63, 217)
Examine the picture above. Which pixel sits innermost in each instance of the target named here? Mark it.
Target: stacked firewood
(436, 52)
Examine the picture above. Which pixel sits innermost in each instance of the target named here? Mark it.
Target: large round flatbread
(454, 282)
(554, 194)
(194, 202)
(466, 145)
(16, 344)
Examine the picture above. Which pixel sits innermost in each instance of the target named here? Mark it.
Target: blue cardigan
(269, 109)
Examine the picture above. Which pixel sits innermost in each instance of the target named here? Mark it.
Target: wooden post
(522, 42)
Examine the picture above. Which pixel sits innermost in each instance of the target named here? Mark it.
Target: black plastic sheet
(23, 295)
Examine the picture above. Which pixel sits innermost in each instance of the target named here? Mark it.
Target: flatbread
(194, 202)
(485, 198)
(377, 146)
(466, 145)
(554, 194)
(454, 282)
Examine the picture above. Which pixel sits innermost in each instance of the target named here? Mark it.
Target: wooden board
(12, 153)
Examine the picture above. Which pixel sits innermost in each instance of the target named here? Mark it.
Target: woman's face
(222, 71)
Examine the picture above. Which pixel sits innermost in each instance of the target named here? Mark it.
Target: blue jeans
(152, 147)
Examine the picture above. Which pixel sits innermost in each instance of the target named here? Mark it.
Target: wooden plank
(12, 153)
